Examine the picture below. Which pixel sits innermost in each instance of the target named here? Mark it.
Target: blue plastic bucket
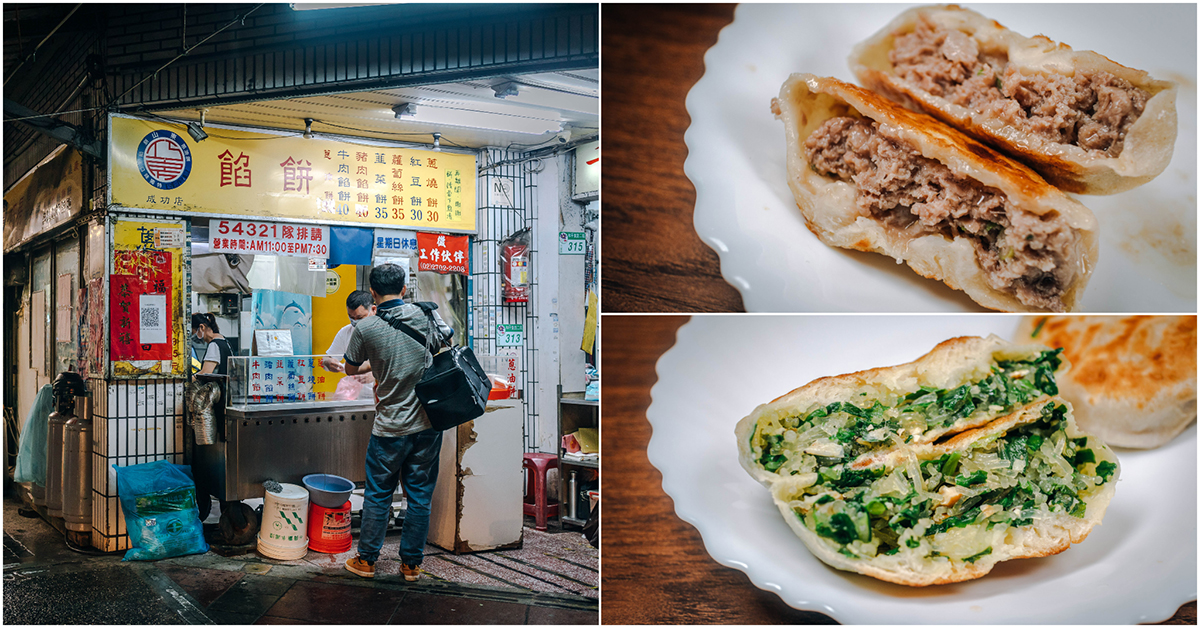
(328, 491)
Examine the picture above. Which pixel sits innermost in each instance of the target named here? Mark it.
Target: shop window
(66, 297)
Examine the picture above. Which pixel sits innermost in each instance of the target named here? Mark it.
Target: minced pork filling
(1092, 109)
(1022, 253)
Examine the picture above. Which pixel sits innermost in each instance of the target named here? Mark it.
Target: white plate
(745, 211)
(1139, 566)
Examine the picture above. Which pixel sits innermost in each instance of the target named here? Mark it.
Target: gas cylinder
(54, 463)
(66, 386)
(77, 468)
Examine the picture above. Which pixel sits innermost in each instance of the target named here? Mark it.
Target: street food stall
(270, 238)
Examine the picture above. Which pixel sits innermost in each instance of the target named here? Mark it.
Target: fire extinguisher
(514, 267)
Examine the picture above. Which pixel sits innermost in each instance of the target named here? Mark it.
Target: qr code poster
(141, 305)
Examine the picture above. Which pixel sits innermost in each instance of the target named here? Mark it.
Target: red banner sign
(442, 253)
(140, 299)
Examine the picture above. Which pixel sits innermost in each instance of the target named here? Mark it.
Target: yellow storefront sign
(158, 166)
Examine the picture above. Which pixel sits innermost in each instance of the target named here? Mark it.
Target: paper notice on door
(152, 310)
(273, 342)
(168, 238)
(402, 262)
(502, 192)
(62, 322)
(37, 343)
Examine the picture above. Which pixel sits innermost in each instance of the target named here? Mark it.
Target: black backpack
(454, 389)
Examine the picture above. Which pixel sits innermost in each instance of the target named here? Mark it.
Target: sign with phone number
(289, 177)
(268, 238)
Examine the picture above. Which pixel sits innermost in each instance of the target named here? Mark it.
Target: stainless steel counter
(284, 442)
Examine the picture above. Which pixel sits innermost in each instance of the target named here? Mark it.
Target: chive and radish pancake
(932, 472)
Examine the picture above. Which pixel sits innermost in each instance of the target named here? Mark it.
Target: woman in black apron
(204, 327)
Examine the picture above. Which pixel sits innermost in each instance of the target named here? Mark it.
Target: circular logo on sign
(333, 282)
(174, 527)
(164, 160)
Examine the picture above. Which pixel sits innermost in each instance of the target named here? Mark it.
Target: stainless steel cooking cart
(284, 442)
(281, 437)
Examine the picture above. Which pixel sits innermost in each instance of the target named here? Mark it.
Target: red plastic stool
(535, 488)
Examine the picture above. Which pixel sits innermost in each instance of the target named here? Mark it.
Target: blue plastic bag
(159, 502)
(31, 456)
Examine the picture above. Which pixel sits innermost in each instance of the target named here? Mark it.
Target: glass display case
(258, 380)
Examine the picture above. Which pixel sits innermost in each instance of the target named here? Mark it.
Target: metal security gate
(133, 422)
(506, 189)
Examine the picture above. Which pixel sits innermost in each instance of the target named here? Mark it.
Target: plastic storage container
(329, 491)
(284, 531)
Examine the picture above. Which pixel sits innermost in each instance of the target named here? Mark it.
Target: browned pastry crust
(1133, 382)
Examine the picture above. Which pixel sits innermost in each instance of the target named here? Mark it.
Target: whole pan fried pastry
(1087, 124)
(932, 472)
(870, 175)
(1133, 379)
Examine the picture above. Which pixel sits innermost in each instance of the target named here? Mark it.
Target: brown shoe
(360, 567)
(411, 572)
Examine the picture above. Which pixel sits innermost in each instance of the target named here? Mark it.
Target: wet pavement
(552, 579)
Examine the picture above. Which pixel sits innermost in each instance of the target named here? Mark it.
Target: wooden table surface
(655, 568)
(653, 259)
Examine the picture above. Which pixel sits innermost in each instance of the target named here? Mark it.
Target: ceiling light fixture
(504, 90)
(405, 110)
(314, 6)
(437, 142)
(435, 117)
(308, 134)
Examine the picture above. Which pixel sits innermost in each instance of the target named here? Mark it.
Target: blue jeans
(411, 459)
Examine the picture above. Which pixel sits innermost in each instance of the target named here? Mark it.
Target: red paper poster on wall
(140, 298)
(442, 253)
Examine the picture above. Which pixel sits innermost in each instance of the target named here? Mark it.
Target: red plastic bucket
(329, 529)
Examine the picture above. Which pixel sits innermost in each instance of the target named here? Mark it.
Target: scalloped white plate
(745, 211)
(1138, 566)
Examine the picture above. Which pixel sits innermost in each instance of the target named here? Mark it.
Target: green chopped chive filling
(951, 464)
(1012, 383)
(979, 477)
(1105, 470)
(840, 528)
(772, 456)
(1006, 480)
(971, 559)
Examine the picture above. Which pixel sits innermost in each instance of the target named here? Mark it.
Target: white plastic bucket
(283, 534)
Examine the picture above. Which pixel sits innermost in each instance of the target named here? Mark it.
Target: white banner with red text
(256, 237)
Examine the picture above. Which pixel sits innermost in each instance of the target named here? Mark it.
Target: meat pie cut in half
(1087, 124)
(870, 175)
(932, 472)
